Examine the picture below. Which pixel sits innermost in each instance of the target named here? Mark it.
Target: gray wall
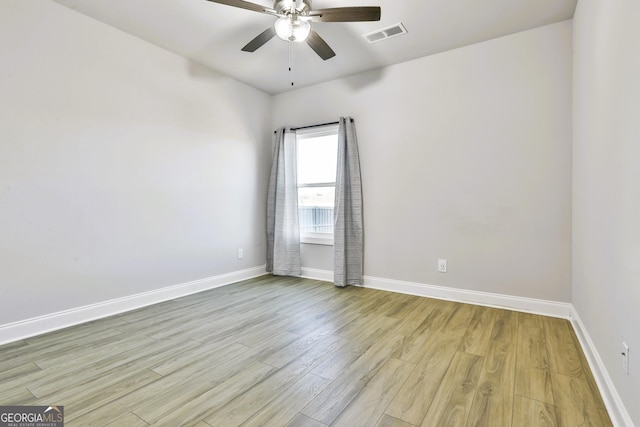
(606, 185)
(466, 155)
(123, 168)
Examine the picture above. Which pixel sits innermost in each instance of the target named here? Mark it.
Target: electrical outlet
(442, 265)
(625, 357)
(240, 253)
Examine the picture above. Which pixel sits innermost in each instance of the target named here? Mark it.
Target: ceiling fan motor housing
(296, 7)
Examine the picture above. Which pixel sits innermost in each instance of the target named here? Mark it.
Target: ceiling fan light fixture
(290, 28)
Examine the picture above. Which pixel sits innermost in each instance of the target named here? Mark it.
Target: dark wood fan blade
(262, 38)
(346, 14)
(246, 5)
(320, 46)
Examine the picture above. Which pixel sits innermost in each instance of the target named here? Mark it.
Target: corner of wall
(615, 406)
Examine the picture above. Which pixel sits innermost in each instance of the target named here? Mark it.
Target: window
(317, 161)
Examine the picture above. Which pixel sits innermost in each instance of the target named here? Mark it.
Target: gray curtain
(348, 231)
(283, 235)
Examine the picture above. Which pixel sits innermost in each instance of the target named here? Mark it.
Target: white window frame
(315, 132)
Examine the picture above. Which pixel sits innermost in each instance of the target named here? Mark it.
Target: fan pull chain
(291, 62)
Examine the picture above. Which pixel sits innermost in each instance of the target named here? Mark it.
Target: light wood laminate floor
(276, 351)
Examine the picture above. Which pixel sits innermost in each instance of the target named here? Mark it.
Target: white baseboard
(530, 305)
(54, 321)
(315, 274)
(617, 411)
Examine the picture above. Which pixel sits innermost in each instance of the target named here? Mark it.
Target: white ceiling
(213, 34)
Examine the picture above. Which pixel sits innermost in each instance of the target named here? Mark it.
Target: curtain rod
(314, 126)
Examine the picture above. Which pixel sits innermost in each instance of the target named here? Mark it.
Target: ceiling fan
(293, 23)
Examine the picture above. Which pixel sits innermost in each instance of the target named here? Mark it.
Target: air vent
(385, 33)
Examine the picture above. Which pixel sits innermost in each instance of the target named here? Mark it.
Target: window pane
(317, 158)
(315, 207)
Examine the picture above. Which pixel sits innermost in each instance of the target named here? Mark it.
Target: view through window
(317, 159)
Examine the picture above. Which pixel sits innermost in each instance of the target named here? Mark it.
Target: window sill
(312, 240)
